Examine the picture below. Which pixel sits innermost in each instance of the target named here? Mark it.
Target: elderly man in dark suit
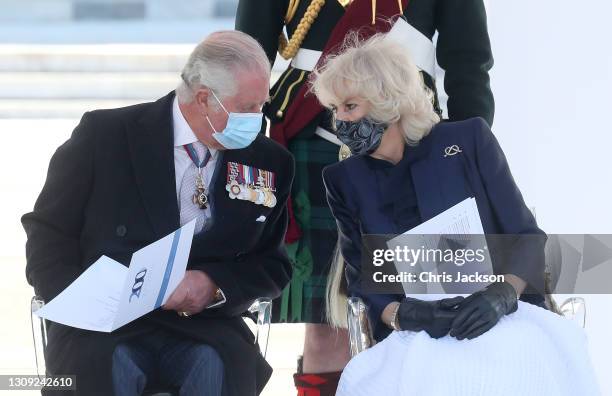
(129, 176)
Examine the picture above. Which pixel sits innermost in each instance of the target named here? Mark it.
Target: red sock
(323, 384)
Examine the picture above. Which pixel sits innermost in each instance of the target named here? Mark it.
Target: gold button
(279, 113)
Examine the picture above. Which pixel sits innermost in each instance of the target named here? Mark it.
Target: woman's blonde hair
(381, 72)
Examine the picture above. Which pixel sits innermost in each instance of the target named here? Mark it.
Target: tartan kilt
(303, 300)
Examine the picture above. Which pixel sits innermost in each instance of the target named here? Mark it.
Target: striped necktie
(188, 209)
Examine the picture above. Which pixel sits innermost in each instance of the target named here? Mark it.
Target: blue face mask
(240, 131)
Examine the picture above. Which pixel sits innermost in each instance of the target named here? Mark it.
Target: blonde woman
(406, 168)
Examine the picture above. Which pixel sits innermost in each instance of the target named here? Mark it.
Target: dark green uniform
(463, 50)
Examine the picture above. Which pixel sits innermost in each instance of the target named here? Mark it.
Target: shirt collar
(183, 134)
(414, 153)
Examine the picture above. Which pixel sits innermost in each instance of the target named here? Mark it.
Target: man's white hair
(216, 62)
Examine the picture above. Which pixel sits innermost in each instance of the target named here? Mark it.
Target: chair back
(39, 335)
(359, 328)
(261, 311)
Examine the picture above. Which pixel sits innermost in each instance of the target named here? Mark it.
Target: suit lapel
(216, 189)
(429, 195)
(151, 145)
(436, 188)
(218, 195)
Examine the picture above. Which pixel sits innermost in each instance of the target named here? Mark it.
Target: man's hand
(195, 292)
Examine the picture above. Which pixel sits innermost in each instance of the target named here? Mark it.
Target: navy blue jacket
(361, 204)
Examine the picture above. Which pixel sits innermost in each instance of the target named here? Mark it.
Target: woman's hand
(482, 310)
(435, 317)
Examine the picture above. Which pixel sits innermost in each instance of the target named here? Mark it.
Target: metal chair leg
(39, 335)
(262, 308)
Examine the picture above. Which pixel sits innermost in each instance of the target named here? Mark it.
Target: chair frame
(260, 312)
(360, 333)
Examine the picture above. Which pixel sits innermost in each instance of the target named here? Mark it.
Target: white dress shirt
(184, 135)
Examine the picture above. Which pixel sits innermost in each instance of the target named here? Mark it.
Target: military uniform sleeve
(264, 21)
(464, 52)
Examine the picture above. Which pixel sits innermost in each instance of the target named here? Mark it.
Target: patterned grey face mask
(362, 136)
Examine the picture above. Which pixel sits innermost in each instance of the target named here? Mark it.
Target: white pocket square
(261, 219)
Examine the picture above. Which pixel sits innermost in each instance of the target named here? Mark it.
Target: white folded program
(421, 49)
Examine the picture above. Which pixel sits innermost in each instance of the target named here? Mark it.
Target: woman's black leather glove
(435, 317)
(482, 310)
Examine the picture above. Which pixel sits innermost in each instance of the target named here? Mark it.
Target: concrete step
(94, 58)
(62, 85)
(104, 32)
(98, 58)
(58, 108)
(15, 11)
(69, 95)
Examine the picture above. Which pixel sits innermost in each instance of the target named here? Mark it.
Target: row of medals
(254, 193)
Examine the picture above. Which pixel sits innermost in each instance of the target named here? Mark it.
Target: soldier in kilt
(315, 28)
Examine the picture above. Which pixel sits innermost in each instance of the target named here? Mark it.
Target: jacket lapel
(437, 188)
(216, 189)
(428, 192)
(151, 145)
(218, 195)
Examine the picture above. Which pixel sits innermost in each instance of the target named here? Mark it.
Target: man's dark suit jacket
(361, 205)
(110, 190)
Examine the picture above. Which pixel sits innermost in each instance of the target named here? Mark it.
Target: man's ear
(201, 99)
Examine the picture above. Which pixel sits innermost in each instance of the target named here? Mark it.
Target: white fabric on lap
(530, 352)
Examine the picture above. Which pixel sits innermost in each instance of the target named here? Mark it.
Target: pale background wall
(551, 80)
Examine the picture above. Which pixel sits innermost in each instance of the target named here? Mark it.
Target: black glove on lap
(479, 312)
(435, 317)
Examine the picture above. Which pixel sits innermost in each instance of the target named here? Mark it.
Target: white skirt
(529, 352)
